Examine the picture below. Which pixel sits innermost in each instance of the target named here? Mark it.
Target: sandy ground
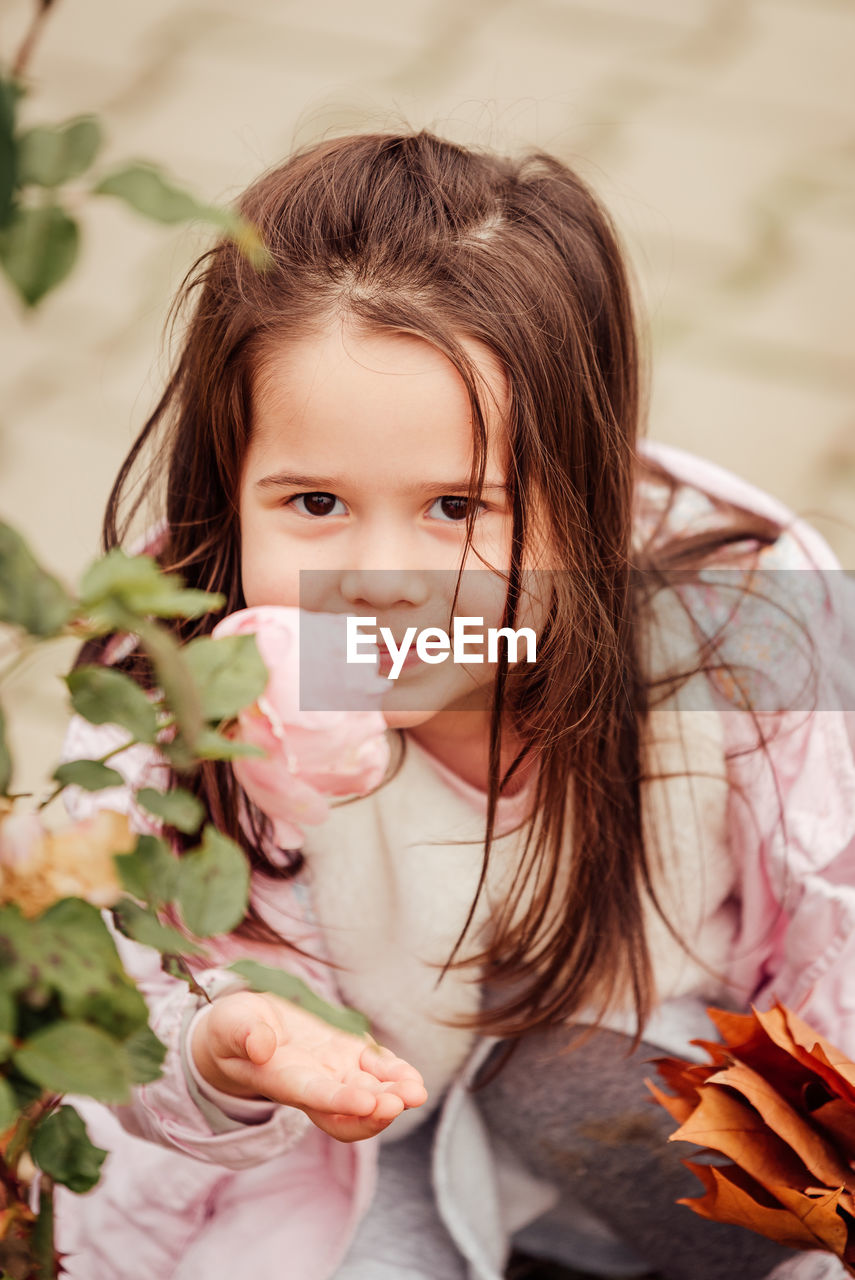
(720, 132)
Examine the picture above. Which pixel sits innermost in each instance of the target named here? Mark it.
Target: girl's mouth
(387, 661)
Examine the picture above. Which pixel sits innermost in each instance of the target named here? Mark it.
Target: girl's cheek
(269, 577)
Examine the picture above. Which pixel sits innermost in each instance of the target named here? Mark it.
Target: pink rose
(310, 754)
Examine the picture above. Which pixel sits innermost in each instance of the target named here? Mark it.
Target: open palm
(260, 1044)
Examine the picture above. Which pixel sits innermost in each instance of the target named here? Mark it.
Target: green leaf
(123, 593)
(150, 192)
(119, 1009)
(9, 94)
(173, 675)
(14, 937)
(150, 872)
(213, 885)
(38, 248)
(104, 696)
(71, 1057)
(8, 1025)
(248, 239)
(229, 673)
(5, 758)
(179, 688)
(145, 1055)
(61, 1147)
(29, 596)
(69, 952)
(82, 926)
(262, 978)
(211, 745)
(179, 808)
(139, 585)
(26, 1093)
(143, 926)
(120, 593)
(49, 155)
(8, 1106)
(91, 775)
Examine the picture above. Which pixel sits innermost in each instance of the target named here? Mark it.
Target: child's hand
(250, 1044)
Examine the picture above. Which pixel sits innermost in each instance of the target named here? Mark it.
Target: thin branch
(30, 39)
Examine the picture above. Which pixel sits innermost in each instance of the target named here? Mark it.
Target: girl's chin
(406, 719)
(472, 701)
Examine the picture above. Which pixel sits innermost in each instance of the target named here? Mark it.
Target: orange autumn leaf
(763, 1042)
(734, 1028)
(821, 1213)
(836, 1119)
(811, 1146)
(679, 1109)
(724, 1123)
(778, 1100)
(731, 1196)
(811, 1050)
(838, 1075)
(814, 1050)
(685, 1078)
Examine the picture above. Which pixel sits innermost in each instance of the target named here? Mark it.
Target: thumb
(259, 1042)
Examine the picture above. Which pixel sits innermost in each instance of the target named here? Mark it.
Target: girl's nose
(384, 588)
(385, 568)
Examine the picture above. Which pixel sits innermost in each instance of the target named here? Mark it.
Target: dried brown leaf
(778, 1100)
(723, 1123)
(811, 1146)
(836, 1119)
(679, 1109)
(802, 1223)
(764, 1043)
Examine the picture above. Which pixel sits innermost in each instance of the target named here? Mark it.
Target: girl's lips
(387, 660)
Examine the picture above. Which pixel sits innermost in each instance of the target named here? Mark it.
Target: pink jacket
(186, 1186)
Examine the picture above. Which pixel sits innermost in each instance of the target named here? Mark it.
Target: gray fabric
(583, 1120)
(401, 1237)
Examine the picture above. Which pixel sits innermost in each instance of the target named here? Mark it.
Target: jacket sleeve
(792, 812)
(176, 1110)
(794, 833)
(173, 1110)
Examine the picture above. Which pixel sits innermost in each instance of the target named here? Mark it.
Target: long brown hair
(410, 232)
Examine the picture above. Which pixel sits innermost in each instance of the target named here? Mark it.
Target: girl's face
(358, 466)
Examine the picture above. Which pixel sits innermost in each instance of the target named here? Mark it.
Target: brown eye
(454, 508)
(316, 504)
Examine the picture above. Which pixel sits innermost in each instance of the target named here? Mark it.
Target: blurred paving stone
(769, 430)
(720, 132)
(798, 55)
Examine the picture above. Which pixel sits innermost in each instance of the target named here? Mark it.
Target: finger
(230, 1036)
(386, 1065)
(260, 1043)
(308, 1090)
(348, 1128)
(411, 1092)
(387, 1107)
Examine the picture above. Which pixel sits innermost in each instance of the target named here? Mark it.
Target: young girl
(438, 371)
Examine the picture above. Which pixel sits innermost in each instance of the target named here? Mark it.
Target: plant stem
(20, 659)
(108, 755)
(29, 41)
(43, 1248)
(20, 1139)
(181, 963)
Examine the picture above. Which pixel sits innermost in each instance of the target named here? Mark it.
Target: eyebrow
(330, 484)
